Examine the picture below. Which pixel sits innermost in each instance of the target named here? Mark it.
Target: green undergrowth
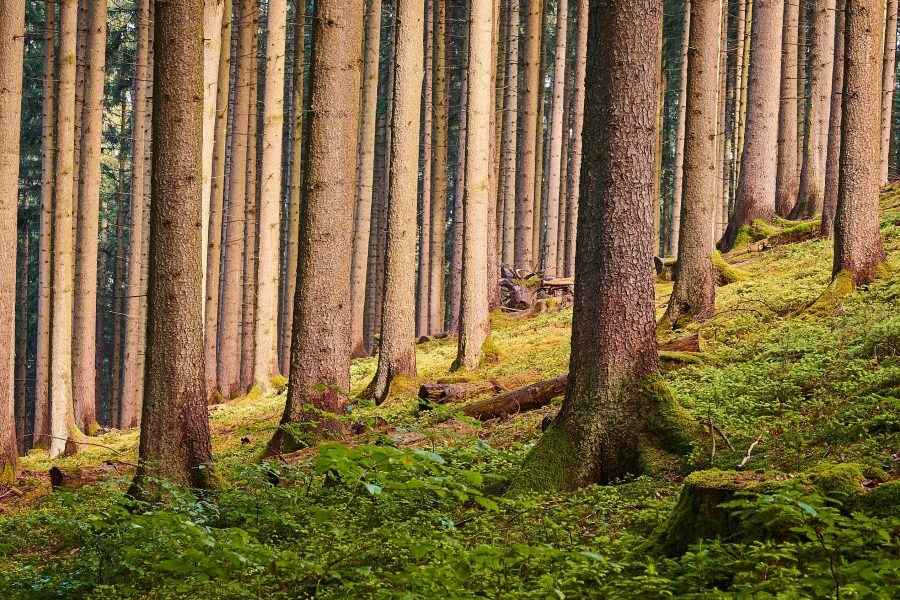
(416, 505)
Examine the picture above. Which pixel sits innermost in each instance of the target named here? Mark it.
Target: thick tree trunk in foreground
(556, 143)
(229, 355)
(12, 36)
(858, 251)
(85, 315)
(266, 330)
(755, 195)
(821, 71)
(397, 349)
(320, 349)
(41, 428)
(888, 78)
(62, 411)
(832, 163)
(474, 328)
(362, 223)
(616, 403)
(693, 296)
(175, 439)
(786, 184)
(529, 126)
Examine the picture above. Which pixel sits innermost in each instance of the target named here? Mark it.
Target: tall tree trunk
(745, 79)
(41, 426)
(21, 335)
(821, 71)
(62, 411)
(562, 197)
(680, 128)
(755, 196)
(858, 250)
(573, 188)
(454, 291)
(213, 246)
(80, 59)
(493, 268)
(509, 139)
(439, 170)
(616, 404)
(293, 228)
(423, 293)
(229, 355)
(832, 163)
(474, 328)
(130, 373)
(213, 17)
(539, 210)
(888, 77)
(529, 126)
(12, 36)
(251, 204)
(786, 184)
(364, 190)
(85, 315)
(556, 134)
(268, 260)
(320, 349)
(740, 72)
(693, 297)
(115, 363)
(721, 135)
(397, 351)
(175, 439)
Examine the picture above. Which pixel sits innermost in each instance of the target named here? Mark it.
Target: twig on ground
(747, 458)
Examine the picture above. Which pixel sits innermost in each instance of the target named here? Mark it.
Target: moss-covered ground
(413, 505)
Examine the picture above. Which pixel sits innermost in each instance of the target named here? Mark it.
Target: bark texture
(509, 136)
(832, 163)
(557, 119)
(786, 184)
(573, 188)
(439, 170)
(888, 77)
(679, 134)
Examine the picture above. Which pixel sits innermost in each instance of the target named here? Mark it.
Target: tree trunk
(786, 184)
(755, 195)
(740, 72)
(115, 363)
(62, 411)
(679, 135)
(510, 117)
(573, 187)
(539, 209)
(474, 330)
(12, 36)
(268, 260)
(175, 439)
(832, 163)
(888, 77)
(454, 292)
(529, 126)
(721, 135)
(217, 196)
(364, 189)
(556, 134)
(229, 355)
(858, 251)
(41, 426)
(293, 228)
(439, 170)
(397, 349)
(745, 79)
(251, 205)
(80, 58)
(85, 315)
(423, 294)
(21, 335)
(821, 71)
(320, 350)
(493, 267)
(693, 297)
(616, 403)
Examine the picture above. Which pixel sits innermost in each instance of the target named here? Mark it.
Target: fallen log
(445, 393)
(85, 476)
(686, 343)
(519, 400)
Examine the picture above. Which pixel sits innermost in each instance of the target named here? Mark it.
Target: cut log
(444, 393)
(686, 343)
(85, 476)
(558, 282)
(519, 400)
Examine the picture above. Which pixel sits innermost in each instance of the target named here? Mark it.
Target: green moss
(839, 481)
(743, 237)
(490, 353)
(677, 358)
(761, 230)
(278, 383)
(883, 271)
(254, 394)
(7, 476)
(828, 301)
(801, 229)
(92, 429)
(668, 426)
(216, 398)
(883, 501)
(727, 273)
(552, 465)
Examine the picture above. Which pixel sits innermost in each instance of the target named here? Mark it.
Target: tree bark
(556, 142)
(85, 312)
(62, 411)
(679, 135)
(21, 333)
(858, 250)
(251, 206)
(397, 348)
(510, 117)
(266, 356)
(888, 78)
(529, 126)
(832, 163)
(474, 330)
(12, 36)
(615, 403)
(115, 362)
(573, 187)
(454, 291)
(320, 350)
(493, 267)
(423, 293)
(755, 195)
(41, 426)
(175, 438)
(786, 184)
(693, 296)
(439, 170)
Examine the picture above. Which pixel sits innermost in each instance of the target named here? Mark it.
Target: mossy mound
(278, 383)
(826, 304)
(727, 273)
(884, 500)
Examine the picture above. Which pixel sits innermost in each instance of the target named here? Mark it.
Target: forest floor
(413, 505)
